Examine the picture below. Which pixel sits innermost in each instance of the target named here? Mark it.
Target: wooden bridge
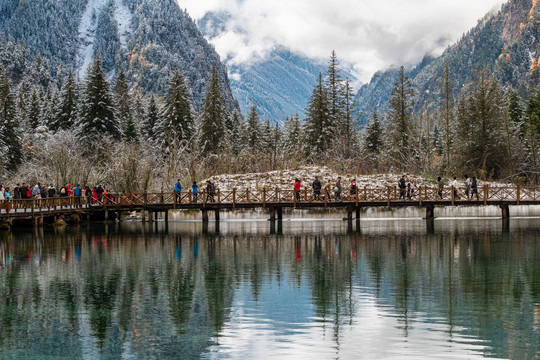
(110, 206)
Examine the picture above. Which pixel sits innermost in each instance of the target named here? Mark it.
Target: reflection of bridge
(275, 200)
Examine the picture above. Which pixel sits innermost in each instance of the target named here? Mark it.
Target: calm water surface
(308, 289)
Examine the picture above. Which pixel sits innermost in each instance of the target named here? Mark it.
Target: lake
(317, 289)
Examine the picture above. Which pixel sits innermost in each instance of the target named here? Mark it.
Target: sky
(367, 35)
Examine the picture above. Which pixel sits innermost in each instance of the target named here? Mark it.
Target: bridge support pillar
(357, 213)
(349, 216)
(280, 214)
(430, 212)
(166, 216)
(204, 216)
(505, 211)
(272, 214)
(217, 215)
(150, 216)
(106, 215)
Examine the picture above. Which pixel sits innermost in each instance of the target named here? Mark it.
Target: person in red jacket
(297, 189)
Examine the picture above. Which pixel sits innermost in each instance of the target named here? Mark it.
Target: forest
(100, 130)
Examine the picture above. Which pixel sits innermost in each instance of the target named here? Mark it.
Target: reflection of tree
(100, 291)
(127, 291)
(218, 285)
(8, 307)
(66, 292)
(404, 285)
(182, 286)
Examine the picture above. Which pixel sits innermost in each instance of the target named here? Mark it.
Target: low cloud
(368, 35)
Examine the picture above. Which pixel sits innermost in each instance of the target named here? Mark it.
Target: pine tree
(267, 138)
(347, 123)
(213, 118)
(292, 136)
(151, 120)
(253, 127)
(481, 143)
(235, 129)
(374, 140)
(334, 90)
(318, 124)
(122, 101)
(97, 110)
(66, 117)
(447, 111)
(10, 142)
(400, 118)
(176, 118)
(34, 110)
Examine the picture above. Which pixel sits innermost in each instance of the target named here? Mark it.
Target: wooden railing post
(277, 194)
(175, 200)
(518, 194)
(365, 193)
(218, 196)
(486, 193)
(389, 190)
(357, 196)
(234, 198)
(33, 205)
(453, 194)
(264, 198)
(247, 195)
(420, 195)
(305, 195)
(161, 197)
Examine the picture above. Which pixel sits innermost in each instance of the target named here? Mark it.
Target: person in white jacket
(2, 193)
(455, 185)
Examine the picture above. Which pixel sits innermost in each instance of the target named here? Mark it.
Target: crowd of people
(331, 191)
(81, 194)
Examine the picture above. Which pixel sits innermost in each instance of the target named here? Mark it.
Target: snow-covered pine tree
(335, 91)
(235, 130)
(149, 126)
(447, 107)
(34, 110)
(176, 118)
(374, 135)
(481, 142)
(253, 129)
(49, 107)
(10, 143)
(67, 114)
(213, 117)
(318, 126)
(400, 119)
(97, 110)
(292, 136)
(267, 137)
(122, 101)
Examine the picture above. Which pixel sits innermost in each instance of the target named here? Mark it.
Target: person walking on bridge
(455, 187)
(337, 189)
(297, 187)
(474, 188)
(440, 187)
(402, 188)
(194, 192)
(178, 191)
(316, 189)
(327, 190)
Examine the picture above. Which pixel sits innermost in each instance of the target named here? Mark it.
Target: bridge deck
(266, 198)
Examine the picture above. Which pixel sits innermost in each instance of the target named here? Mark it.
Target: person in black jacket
(316, 189)
(24, 191)
(402, 188)
(17, 192)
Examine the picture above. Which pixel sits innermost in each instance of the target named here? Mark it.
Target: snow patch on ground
(284, 179)
(87, 33)
(123, 17)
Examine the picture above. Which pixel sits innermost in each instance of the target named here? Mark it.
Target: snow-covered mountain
(148, 38)
(280, 83)
(505, 43)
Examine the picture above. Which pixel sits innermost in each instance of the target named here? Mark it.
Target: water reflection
(395, 289)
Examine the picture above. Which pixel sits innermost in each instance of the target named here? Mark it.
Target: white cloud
(368, 34)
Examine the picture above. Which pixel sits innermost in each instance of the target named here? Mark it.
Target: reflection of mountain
(158, 294)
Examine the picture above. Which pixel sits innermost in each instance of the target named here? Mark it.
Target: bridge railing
(486, 194)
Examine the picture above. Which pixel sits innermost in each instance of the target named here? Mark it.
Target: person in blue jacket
(178, 191)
